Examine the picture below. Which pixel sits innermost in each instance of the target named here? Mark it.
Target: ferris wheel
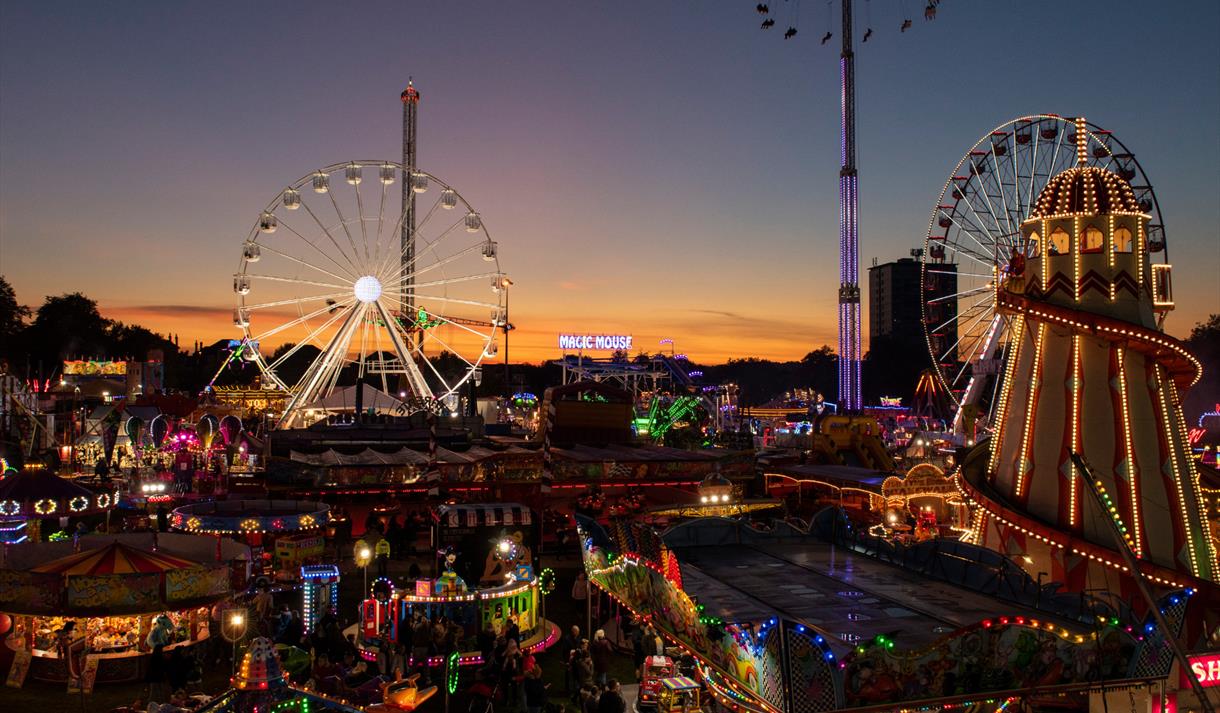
(333, 263)
(974, 229)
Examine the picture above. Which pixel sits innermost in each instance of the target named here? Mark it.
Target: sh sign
(592, 342)
(1206, 668)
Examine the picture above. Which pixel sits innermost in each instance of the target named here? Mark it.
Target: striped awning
(679, 683)
(114, 558)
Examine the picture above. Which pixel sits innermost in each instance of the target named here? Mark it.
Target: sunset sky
(661, 169)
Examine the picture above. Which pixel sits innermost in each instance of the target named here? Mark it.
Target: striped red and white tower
(1091, 372)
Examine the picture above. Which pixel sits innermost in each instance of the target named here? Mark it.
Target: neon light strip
(1129, 455)
(1173, 464)
(1018, 337)
(1031, 402)
(1073, 481)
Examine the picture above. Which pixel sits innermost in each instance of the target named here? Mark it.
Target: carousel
(105, 608)
(283, 534)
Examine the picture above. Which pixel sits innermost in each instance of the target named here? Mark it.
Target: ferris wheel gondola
(322, 269)
(974, 232)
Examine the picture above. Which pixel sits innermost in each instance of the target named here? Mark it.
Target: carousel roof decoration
(1086, 190)
(260, 668)
(115, 558)
(42, 494)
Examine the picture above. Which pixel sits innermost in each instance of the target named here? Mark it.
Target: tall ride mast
(849, 235)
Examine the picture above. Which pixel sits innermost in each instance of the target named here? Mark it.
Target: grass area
(561, 609)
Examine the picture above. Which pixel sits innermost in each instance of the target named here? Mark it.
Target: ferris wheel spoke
(454, 280)
(441, 298)
(419, 351)
(381, 358)
(397, 255)
(303, 318)
(441, 263)
(955, 318)
(958, 295)
(295, 280)
(429, 246)
(982, 189)
(967, 226)
(962, 336)
(993, 235)
(295, 300)
(364, 231)
(331, 237)
(459, 325)
(305, 263)
(416, 378)
(380, 223)
(959, 273)
(343, 222)
(312, 244)
(364, 338)
(995, 177)
(279, 361)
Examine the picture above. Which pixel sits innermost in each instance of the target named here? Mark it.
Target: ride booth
(488, 544)
(319, 592)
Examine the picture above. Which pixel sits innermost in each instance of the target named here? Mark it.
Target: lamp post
(233, 628)
(363, 554)
(508, 388)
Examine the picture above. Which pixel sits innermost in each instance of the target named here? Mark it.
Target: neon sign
(1206, 668)
(580, 342)
(891, 401)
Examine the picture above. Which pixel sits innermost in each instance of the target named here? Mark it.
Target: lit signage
(581, 342)
(891, 401)
(1206, 668)
(95, 368)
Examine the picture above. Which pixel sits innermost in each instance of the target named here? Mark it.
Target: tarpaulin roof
(345, 400)
(114, 558)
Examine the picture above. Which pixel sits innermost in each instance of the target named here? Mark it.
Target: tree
(64, 327)
(12, 320)
(1204, 343)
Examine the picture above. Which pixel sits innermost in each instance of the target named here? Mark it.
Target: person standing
(569, 643)
(600, 652)
(535, 690)
(611, 700)
(382, 550)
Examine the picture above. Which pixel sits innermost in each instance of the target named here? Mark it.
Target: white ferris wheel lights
(370, 285)
(367, 289)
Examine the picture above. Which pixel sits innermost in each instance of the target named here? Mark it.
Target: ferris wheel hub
(367, 289)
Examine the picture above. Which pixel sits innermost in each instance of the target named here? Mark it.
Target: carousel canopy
(44, 494)
(115, 558)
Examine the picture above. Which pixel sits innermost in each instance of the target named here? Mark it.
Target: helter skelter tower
(1089, 371)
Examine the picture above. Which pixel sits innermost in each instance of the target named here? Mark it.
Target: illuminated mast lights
(410, 110)
(849, 236)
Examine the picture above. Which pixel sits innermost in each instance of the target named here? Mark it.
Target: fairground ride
(324, 267)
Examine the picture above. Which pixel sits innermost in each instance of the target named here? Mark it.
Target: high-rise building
(896, 304)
